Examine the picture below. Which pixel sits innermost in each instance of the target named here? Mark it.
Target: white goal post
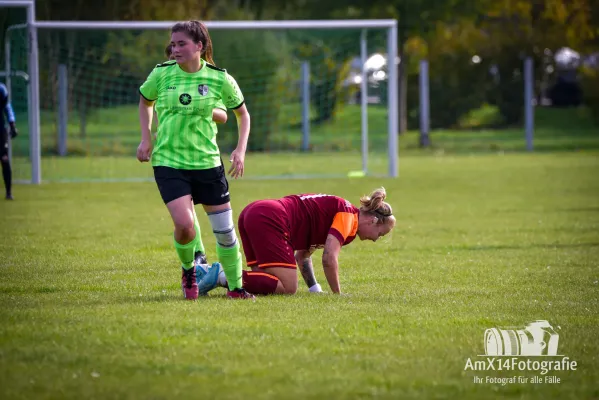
(34, 92)
(392, 94)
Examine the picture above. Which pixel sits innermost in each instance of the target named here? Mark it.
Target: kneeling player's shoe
(189, 284)
(210, 279)
(240, 293)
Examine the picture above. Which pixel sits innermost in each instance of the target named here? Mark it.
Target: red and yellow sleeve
(345, 224)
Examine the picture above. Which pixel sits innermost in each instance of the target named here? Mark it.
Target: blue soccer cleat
(209, 280)
(201, 271)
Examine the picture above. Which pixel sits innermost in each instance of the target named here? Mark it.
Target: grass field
(91, 305)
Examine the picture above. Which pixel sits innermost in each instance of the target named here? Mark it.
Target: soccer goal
(322, 96)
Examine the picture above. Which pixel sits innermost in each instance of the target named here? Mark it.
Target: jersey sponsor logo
(171, 88)
(203, 90)
(185, 99)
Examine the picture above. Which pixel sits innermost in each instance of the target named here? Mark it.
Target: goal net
(318, 96)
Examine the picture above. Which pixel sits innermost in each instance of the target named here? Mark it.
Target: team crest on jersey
(185, 99)
(203, 90)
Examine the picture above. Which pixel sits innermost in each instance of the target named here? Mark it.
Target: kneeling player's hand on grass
(144, 150)
(237, 163)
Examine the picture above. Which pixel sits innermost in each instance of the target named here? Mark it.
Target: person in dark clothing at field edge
(6, 111)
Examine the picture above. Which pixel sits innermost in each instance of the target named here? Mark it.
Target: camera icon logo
(538, 338)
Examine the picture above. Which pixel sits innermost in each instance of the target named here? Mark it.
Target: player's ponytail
(375, 204)
(207, 46)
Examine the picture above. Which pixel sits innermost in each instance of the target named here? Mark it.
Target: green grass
(91, 306)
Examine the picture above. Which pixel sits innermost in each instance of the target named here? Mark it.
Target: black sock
(7, 175)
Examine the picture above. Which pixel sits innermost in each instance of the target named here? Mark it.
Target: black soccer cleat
(200, 258)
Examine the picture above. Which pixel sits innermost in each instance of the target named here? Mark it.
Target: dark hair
(375, 204)
(198, 33)
(168, 52)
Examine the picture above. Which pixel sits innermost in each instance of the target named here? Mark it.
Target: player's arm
(148, 94)
(219, 113)
(304, 263)
(219, 116)
(330, 263)
(243, 123)
(238, 155)
(11, 121)
(146, 112)
(233, 99)
(10, 114)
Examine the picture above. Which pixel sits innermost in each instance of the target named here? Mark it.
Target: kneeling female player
(280, 233)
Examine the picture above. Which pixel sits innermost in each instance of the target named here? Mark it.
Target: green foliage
(448, 34)
(508, 94)
(329, 54)
(259, 70)
(457, 85)
(484, 117)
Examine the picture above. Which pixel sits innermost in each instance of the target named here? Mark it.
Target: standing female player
(186, 159)
(272, 230)
(219, 115)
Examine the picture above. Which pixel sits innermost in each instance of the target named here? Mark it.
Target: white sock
(315, 289)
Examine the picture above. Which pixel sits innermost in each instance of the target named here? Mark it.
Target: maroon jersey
(312, 217)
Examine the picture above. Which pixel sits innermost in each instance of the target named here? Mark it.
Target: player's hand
(237, 164)
(144, 150)
(13, 131)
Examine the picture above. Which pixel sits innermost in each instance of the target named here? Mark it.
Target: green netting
(106, 67)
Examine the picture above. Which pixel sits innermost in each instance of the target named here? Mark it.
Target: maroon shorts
(264, 229)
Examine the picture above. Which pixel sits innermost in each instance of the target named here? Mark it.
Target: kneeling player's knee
(223, 228)
(289, 290)
(286, 286)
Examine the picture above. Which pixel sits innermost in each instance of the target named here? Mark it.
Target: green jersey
(186, 137)
(221, 105)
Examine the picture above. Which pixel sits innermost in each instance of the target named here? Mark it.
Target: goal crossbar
(298, 24)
